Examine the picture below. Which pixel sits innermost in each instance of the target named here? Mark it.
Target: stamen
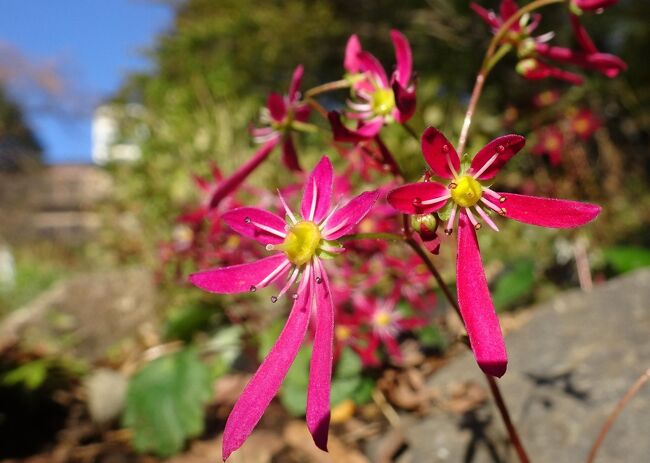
(271, 276)
(493, 194)
(290, 282)
(486, 218)
(286, 209)
(490, 204)
(342, 224)
(472, 219)
(273, 231)
(435, 200)
(450, 223)
(306, 276)
(314, 198)
(359, 106)
(329, 216)
(486, 165)
(451, 166)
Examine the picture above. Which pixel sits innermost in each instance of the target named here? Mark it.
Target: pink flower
(584, 123)
(593, 4)
(469, 195)
(551, 143)
(282, 115)
(300, 243)
(376, 100)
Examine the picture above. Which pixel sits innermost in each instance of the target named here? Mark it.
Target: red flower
(550, 142)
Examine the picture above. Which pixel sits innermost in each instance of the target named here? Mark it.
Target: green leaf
(431, 336)
(164, 403)
(514, 284)
(363, 393)
(31, 374)
(626, 258)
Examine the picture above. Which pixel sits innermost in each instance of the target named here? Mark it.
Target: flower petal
(507, 9)
(294, 87)
(320, 367)
(267, 380)
(346, 218)
(352, 50)
(231, 183)
(289, 154)
(369, 63)
(404, 101)
(488, 16)
(408, 198)
(476, 305)
(505, 147)
(439, 153)
(237, 278)
(403, 57)
(317, 196)
(277, 107)
(581, 35)
(548, 212)
(243, 220)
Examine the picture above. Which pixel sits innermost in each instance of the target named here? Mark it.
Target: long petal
(408, 198)
(276, 106)
(267, 380)
(289, 154)
(507, 9)
(317, 196)
(548, 212)
(488, 16)
(403, 57)
(294, 87)
(352, 50)
(439, 153)
(231, 183)
(476, 305)
(339, 131)
(237, 278)
(320, 367)
(581, 35)
(404, 101)
(244, 219)
(504, 147)
(346, 218)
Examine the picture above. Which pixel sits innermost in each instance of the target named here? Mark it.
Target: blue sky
(95, 43)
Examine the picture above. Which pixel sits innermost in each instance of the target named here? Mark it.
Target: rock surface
(84, 315)
(569, 365)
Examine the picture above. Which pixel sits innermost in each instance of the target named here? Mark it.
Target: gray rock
(85, 315)
(106, 393)
(569, 365)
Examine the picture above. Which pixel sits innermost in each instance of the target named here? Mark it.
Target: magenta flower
(584, 123)
(550, 142)
(376, 100)
(281, 116)
(299, 243)
(469, 195)
(593, 4)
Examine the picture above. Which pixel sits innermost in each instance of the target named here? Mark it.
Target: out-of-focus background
(109, 111)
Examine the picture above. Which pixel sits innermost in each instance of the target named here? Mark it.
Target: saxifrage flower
(376, 100)
(299, 243)
(470, 195)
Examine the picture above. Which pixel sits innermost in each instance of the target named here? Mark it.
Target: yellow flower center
(467, 191)
(342, 332)
(382, 319)
(301, 242)
(383, 101)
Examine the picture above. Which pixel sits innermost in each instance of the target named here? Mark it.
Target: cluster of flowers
(307, 244)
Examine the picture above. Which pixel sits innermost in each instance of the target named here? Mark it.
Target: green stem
(410, 131)
(328, 87)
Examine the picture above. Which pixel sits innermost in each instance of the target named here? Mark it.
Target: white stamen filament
(471, 217)
(486, 165)
(314, 199)
(451, 166)
(265, 138)
(486, 217)
(435, 200)
(290, 281)
(452, 216)
(336, 228)
(271, 276)
(492, 193)
(306, 277)
(359, 106)
(323, 224)
(286, 209)
(491, 205)
(268, 229)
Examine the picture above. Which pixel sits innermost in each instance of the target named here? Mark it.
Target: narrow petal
(319, 184)
(404, 101)
(488, 16)
(594, 4)
(237, 278)
(548, 212)
(408, 198)
(320, 367)
(352, 50)
(403, 57)
(276, 106)
(346, 218)
(368, 63)
(507, 9)
(289, 154)
(504, 147)
(439, 153)
(244, 219)
(294, 87)
(370, 129)
(582, 36)
(231, 183)
(340, 132)
(476, 305)
(267, 380)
